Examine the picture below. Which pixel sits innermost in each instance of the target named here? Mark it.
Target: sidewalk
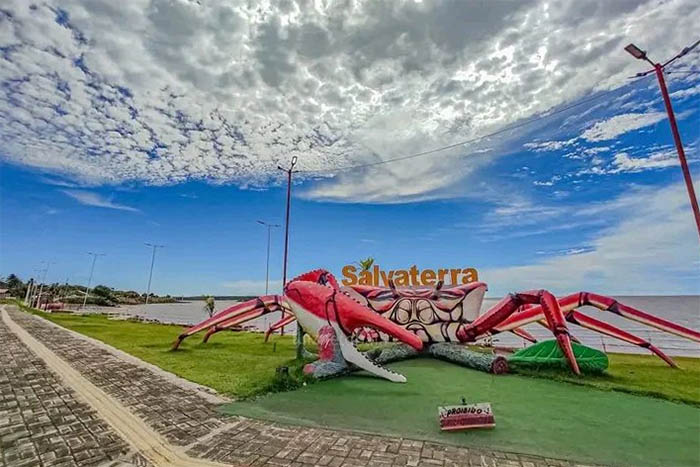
(189, 421)
(41, 422)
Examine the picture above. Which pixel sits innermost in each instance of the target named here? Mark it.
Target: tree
(102, 291)
(366, 264)
(15, 285)
(209, 305)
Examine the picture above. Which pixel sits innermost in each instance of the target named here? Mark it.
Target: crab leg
(235, 321)
(573, 301)
(240, 311)
(543, 323)
(579, 318)
(285, 321)
(548, 306)
(523, 334)
(610, 304)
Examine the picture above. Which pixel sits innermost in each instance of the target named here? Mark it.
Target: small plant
(209, 305)
(289, 378)
(366, 264)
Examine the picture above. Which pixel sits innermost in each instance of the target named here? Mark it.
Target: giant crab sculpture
(335, 316)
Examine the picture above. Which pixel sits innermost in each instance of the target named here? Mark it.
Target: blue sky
(96, 158)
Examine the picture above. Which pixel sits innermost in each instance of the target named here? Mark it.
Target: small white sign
(461, 417)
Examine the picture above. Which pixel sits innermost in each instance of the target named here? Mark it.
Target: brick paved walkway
(188, 420)
(41, 423)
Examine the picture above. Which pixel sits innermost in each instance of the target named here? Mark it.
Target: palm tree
(209, 305)
(366, 264)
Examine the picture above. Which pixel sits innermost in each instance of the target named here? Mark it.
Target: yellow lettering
(365, 278)
(414, 275)
(470, 275)
(385, 278)
(401, 278)
(405, 278)
(349, 275)
(427, 277)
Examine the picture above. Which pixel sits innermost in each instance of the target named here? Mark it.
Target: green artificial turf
(533, 415)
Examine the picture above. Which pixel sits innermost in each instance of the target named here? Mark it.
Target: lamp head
(636, 52)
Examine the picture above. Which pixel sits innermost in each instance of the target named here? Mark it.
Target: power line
(639, 77)
(472, 140)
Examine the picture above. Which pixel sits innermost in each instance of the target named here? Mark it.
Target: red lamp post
(640, 54)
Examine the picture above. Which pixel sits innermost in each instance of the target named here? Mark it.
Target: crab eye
(402, 312)
(425, 312)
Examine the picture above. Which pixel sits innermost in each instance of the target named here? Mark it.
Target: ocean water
(683, 310)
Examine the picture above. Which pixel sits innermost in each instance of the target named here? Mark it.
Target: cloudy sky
(165, 121)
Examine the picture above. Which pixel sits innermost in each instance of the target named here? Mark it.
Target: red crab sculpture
(334, 316)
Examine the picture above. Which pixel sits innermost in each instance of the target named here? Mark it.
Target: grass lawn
(242, 365)
(235, 364)
(533, 415)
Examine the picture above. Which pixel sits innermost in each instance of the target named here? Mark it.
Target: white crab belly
(309, 322)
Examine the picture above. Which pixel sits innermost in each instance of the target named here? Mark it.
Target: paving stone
(35, 405)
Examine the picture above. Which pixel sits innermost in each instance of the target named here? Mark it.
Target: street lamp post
(640, 54)
(267, 266)
(35, 285)
(41, 288)
(290, 171)
(150, 275)
(29, 291)
(92, 269)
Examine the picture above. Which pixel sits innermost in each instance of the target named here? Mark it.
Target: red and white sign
(462, 417)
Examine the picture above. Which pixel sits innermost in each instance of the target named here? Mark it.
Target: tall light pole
(41, 288)
(29, 291)
(35, 284)
(267, 266)
(150, 275)
(92, 269)
(640, 54)
(289, 171)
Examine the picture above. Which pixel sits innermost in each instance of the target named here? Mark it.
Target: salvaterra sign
(407, 277)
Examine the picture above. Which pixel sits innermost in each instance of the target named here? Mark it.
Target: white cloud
(624, 163)
(653, 244)
(621, 124)
(685, 93)
(90, 198)
(549, 145)
(164, 91)
(596, 150)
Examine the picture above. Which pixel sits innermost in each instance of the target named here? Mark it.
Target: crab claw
(316, 306)
(356, 315)
(334, 306)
